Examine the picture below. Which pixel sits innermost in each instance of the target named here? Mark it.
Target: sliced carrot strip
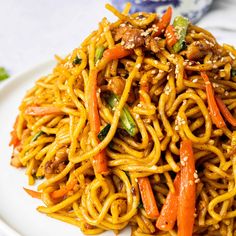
(33, 193)
(186, 207)
(225, 111)
(166, 220)
(214, 110)
(148, 198)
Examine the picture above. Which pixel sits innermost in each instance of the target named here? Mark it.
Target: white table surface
(34, 31)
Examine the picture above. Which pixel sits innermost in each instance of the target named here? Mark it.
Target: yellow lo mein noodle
(54, 140)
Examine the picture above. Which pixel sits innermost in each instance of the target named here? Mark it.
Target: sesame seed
(182, 163)
(215, 85)
(190, 182)
(176, 127)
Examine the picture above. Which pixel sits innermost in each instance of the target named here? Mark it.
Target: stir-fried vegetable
(181, 25)
(166, 220)
(33, 193)
(3, 74)
(77, 61)
(14, 139)
(233, 72)
(99, 53)
(63, 191)
(171, 37)
(116, 52)
(37, 135)
(186, 207)
(225, 112)
(214, 110)
(103, 133)
(163, 22)
(126, 120)
(100, 160)
(148, 198)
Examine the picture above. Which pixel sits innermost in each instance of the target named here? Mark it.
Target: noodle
(116, 110)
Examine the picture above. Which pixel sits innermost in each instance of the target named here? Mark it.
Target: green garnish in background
(3, 74)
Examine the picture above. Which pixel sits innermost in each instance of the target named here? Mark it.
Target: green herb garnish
(233, 72)
(37, 135)
(126, 120)
(103, 133)
(3, 74)
(77, 61)
(140, 205)
(99, 53)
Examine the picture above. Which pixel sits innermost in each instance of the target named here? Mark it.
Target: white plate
(18, 214)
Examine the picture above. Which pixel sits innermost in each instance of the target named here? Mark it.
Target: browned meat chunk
(57, 165)
(130, 37)
(15, 161)
(151, 44)
(198, 49)
(116, 85)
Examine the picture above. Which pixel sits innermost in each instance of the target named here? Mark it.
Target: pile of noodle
(60, 147)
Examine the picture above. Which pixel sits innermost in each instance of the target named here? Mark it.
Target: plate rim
(15, 77)
(4, 226)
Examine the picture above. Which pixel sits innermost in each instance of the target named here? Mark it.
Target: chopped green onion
(181, 25)
(37, 135)
(99, 53)
(126, 120)
(77, 61)
(233, 72)
(103, 133)
(140, 205)
(3, 74)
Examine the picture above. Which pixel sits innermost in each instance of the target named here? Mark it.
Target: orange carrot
(225, 112)
(42, 111)
(171, 37)
(185, 77)
(186, 208)
(116, 52)
(163, 22)
(100, 160)
(145, 87)
(63, 191)
(214, 110)
(14, 139)
(166, 220)
(148, 198)
(33, 193)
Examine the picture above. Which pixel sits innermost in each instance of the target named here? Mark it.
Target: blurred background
(34, 31)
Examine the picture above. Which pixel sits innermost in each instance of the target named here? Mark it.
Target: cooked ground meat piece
(58, 164)
(15, 161)
(198, 49)
(151, 44)
(130, 37)
(116, 85)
